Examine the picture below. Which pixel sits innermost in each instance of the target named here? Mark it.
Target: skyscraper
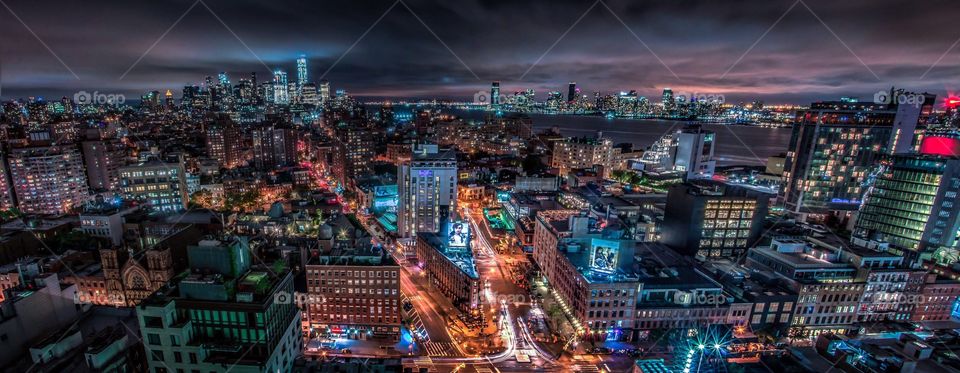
(280, 91)
(835, 148)
(572, 92)
(495, 93)
(427, 186)
(324, 91)
(224, 142)
(353, 148)
(273, 146)
(668, 102)
(103, 159)
(911, 204)
(302, 70)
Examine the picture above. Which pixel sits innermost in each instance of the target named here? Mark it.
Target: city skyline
(790, 52)
(479, 186)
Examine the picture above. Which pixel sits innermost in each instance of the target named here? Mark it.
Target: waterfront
(736, 144)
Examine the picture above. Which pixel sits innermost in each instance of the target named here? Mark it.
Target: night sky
(797, 61)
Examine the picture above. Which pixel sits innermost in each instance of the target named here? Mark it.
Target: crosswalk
(585, 368)
(440, 349)
(415, 317)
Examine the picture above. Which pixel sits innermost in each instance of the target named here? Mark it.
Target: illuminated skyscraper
(835, 149)
(222, 77)
(224, 142)
(668, 101)
(324, 92)
(302, 70)
(495, 93)
(572, 92)
(427, 186)
(281, 95)
(911, 204)
(308, 94)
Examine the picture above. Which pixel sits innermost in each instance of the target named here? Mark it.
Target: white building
(427, 186)
(105, 221)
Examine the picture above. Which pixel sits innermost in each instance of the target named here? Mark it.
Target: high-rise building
(281, 94)
(48, 179)
(495, 93)
(308, 94)
(427, 186)
(582, 152)
(274, 146)
(161, 185)
(168, 101)
(150, 101)
(302, 70)
(324, 91)
(713, 221)
(835, 149)
(667, 99)
(103, 159)
(224, 142)
(911, 204)
(7, 201)
(353, 148)
(572, 92)
(224, 313)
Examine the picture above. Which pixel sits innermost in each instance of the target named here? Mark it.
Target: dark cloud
(798, 60)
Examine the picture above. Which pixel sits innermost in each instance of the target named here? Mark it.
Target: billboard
(603, 255)
(384, 198)
(940, 145)
(458, 234)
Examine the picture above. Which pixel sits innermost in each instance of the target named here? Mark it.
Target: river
(736, 144)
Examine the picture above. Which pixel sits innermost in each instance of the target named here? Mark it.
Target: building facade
(48, 179)
(427, 187)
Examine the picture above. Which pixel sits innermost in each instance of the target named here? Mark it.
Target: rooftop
(461, 257)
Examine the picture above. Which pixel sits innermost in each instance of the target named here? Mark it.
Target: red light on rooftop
(952, 101)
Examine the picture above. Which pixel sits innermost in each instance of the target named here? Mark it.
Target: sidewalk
(374, 348)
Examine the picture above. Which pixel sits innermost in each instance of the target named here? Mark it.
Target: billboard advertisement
(459, 234)
(603, 256)
(940, 145)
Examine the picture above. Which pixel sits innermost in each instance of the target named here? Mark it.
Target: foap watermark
(298, 298)
(482, 98)
(710, 98)
(699, 299)
(494, 298)
(97, 98)
(887, 98)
